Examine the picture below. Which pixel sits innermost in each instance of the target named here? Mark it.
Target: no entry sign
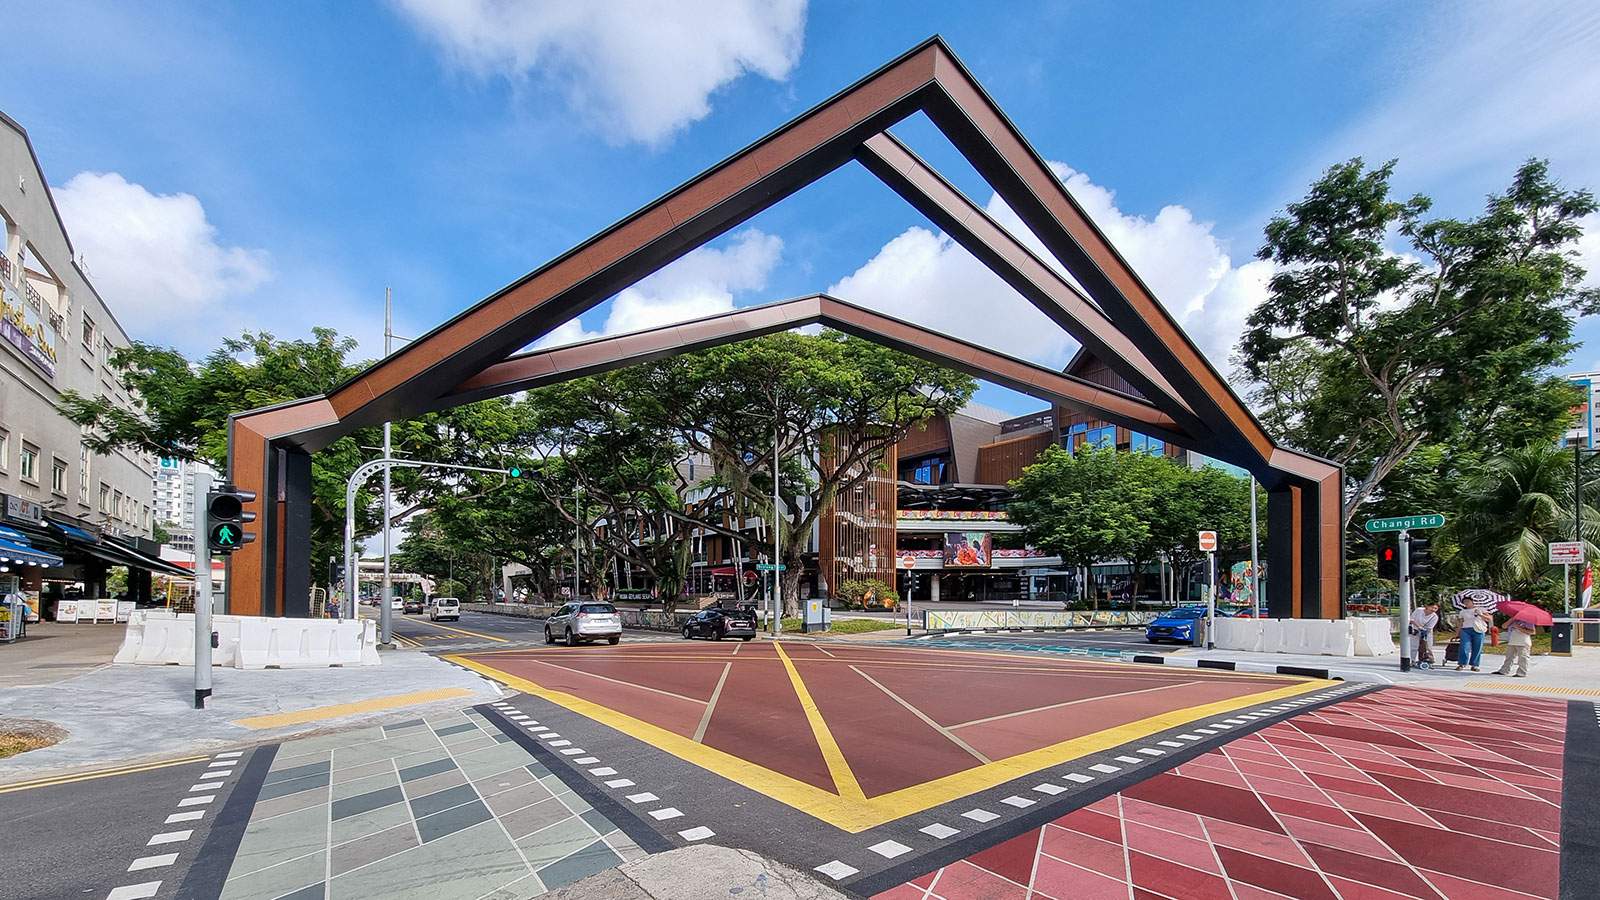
(909, 562)
(1208, 541)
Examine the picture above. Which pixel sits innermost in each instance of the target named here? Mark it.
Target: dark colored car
(1177, 624)
(717, 623)
(413, 605)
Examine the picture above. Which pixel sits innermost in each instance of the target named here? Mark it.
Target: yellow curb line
(101, 773)
(487, 637)
(1504, 686)
(319, 713)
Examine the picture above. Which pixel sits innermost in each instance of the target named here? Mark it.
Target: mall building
(70, 518)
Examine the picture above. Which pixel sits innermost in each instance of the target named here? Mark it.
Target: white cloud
(931, 280)
(639, 70)
(1589, 249)
(702, 283)
(154, 258)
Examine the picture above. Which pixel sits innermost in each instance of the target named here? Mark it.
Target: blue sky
(276, 165)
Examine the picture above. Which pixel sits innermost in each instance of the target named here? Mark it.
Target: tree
(181, 411)
(1513, 508)
(1362, 355)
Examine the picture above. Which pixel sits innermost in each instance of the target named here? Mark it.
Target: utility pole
(1405, 602)
(577, 543)
(386, 614)
(1255, 552)
(777, 529)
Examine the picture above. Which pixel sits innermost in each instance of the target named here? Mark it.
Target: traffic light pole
(352, 571)
(202, 597)
(1407, 644)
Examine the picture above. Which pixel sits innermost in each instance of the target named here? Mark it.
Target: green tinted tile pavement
(438, 808)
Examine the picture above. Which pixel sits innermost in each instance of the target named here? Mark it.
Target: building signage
(1569, 553)
(23, 510)
(25, 328)
(968, 549)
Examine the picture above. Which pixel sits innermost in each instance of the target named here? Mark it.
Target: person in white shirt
(1474, 623)
(1424, 619)
(1519, 647)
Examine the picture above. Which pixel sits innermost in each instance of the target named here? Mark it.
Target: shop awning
(20, 552)
(139, 559)
(76, 533)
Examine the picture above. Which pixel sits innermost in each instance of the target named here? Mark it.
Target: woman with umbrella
(1525, 619)
(1475, 606)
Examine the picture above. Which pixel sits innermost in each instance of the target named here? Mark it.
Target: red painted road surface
(901, 717)
(1397, 795)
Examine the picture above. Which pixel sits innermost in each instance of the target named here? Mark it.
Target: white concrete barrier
(1238, 634)
(161, 637)
(1373, 637)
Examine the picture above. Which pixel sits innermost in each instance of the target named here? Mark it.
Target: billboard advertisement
(968, 549)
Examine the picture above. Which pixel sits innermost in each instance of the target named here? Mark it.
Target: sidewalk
(118, 714)
(53, 651)
(1567, 677)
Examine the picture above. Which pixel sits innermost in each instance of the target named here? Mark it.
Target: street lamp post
(577, 543)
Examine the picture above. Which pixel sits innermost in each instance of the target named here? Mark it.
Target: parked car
(1177, 624)
(396, 604)
(413, 605)
(717, 623)
(444, 608)
(586, 621)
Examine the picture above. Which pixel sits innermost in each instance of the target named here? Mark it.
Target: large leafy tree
(1512, 508)
(1363, 355)
(181, 409)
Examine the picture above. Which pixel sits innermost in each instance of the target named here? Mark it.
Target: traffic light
(1421, 563)
(1389, 563)
(515, 471)
(226, 517)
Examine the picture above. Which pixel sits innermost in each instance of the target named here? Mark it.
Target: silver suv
(586, 621)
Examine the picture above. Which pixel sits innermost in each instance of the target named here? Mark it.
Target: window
(88, 332)
(58, 477)
(83, 474)
(30, 463)
(105, 352)
(116, 505)
(105, 498)
(5, 451)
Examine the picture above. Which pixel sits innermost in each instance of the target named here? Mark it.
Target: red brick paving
(1398, 795)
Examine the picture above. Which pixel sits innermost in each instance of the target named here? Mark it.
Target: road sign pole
(1566, 587)
(202, 598)
(1406, 643)
(1211, 598)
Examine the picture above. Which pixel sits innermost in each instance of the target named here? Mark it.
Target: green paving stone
(421, 757)
(425, 786)
(596, 857)
(270, 884)
(288, 757)
(494, 759)
(317, 891)
(477, 743)
(266, 809)
(442, 800)
(365, 770)
(597, 821)
(625, 846)
(457, 728)
(503, 781)
(360, 803)
(335, 741)
(573, 801)
(517, 797)
(560, 840)
(370, 822)
(281, 838)
(373, 751)
(521, 889)
(289, 773)
(372, 848)
(452, 820)
(462, 866)
(537, 769)
(444, 720)
(433, 767)
(317, 783)
(365, 785)
(537, 817)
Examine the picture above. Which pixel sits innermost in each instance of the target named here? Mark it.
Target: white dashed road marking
(837, 870)
(153, 862)
(939, 830)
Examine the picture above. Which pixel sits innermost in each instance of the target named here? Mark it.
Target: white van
(444, 608)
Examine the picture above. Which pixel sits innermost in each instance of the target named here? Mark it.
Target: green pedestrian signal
(226, 517)
(516, 472)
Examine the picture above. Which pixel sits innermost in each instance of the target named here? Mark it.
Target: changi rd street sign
(1406, 523)
(1566, 553)
(1208, 541)
(768, 567)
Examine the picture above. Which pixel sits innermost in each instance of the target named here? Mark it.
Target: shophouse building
(89, 513)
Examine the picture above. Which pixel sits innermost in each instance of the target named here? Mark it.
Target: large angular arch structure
(1103, 304)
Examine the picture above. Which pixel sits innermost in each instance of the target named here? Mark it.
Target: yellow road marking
(406, 639)
(926, 720)
(1504, 686)
(99, 773)
(844, 780)
(319, 713)
(705, 718)
(627, 684)
(857, 815)
(1012, 715)
(487, 637)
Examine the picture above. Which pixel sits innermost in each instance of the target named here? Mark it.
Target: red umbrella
(1527, 612)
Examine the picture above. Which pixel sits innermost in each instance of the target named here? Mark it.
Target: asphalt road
(481, 631)
(79, 835)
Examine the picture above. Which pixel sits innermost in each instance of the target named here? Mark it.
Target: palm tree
(1511, 510)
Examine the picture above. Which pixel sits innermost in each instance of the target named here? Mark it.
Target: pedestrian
(1519, 647)
(1424, 619)
(1474, 624)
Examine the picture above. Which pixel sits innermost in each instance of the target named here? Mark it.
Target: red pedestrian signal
(1389, 564)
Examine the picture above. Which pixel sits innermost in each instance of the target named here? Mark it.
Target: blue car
(1177, 625)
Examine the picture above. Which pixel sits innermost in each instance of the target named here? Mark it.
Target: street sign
(1566, 553)
(1208, 541)
(1406, 523)
(909, 562)
(768, 567)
